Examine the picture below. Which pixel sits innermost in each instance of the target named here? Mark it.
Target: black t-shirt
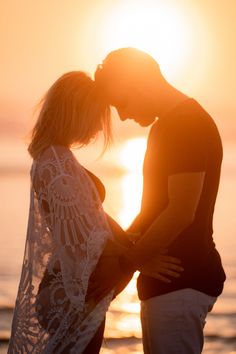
(185, 140)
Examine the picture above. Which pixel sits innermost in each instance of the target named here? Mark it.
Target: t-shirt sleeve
(185, 148)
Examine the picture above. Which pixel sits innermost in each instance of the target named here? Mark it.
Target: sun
(131, 158)
(153, 26)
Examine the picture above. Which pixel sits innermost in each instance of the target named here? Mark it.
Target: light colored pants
(173, 323)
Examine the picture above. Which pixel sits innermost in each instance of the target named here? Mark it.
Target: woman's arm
(110, 272)
(120, 235)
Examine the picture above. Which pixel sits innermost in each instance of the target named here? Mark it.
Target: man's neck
(170, 98)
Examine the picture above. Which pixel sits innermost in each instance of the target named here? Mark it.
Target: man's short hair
(126, 64)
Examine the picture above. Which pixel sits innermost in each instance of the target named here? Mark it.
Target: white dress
(67, 232)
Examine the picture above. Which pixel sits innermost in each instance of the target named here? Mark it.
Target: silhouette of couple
(77, 258)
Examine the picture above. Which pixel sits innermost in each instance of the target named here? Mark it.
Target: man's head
(129, 78)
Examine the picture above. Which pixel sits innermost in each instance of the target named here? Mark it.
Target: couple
(77, 258)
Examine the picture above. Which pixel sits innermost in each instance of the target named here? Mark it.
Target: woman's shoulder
(53, 152)
(56, 160)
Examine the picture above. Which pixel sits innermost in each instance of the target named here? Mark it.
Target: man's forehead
(116, 94)
(115, 87)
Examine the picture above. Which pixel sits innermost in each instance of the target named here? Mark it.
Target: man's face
(131, 104)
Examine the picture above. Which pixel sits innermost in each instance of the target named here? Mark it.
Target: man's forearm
(158, 237)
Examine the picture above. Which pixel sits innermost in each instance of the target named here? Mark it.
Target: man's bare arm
(184, 192)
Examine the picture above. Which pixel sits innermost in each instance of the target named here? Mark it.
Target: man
(181, 176)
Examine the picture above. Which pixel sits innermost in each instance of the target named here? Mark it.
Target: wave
(6, 313)
(108, 169)
(135, 340)
(13, 170)
(222, 314)
(216, 337)
(6, 309)
(9, 309)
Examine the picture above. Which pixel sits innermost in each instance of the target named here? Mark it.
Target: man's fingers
(170, 259)
(170, 272)
(163, 271)
(162, 278)
(173, 267)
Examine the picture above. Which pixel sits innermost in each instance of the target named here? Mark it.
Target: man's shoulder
(188, 119)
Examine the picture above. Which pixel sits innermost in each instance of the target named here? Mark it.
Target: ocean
(123, 184)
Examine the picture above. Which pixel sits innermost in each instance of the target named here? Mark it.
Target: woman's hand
(162, 267)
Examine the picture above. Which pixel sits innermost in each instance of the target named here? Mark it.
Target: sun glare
(153, 26)
(131, 157)
(132, 153)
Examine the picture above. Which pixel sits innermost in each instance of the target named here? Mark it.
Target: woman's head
(72, 113)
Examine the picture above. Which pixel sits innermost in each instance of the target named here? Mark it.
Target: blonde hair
(72, 113)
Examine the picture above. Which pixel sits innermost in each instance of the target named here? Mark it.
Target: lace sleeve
(67, 232)
(79, 230)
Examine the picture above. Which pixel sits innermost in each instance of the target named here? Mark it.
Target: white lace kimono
(67, 232)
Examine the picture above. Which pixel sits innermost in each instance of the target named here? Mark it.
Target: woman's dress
(67, 232)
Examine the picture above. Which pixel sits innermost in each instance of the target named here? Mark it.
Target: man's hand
(161, 266)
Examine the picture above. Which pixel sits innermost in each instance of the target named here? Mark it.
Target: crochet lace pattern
(67, 232)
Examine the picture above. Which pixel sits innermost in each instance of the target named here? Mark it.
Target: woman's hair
(72, 113)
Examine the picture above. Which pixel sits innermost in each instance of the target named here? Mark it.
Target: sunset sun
(154, 27)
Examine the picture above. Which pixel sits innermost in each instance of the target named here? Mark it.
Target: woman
(67, 227)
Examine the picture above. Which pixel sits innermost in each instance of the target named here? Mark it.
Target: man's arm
(184, 191)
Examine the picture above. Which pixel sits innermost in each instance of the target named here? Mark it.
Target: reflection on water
(131, 157)
(131, 154)
(123, 317)
(131, 185)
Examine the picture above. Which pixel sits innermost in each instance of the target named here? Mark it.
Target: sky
(194, 42)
